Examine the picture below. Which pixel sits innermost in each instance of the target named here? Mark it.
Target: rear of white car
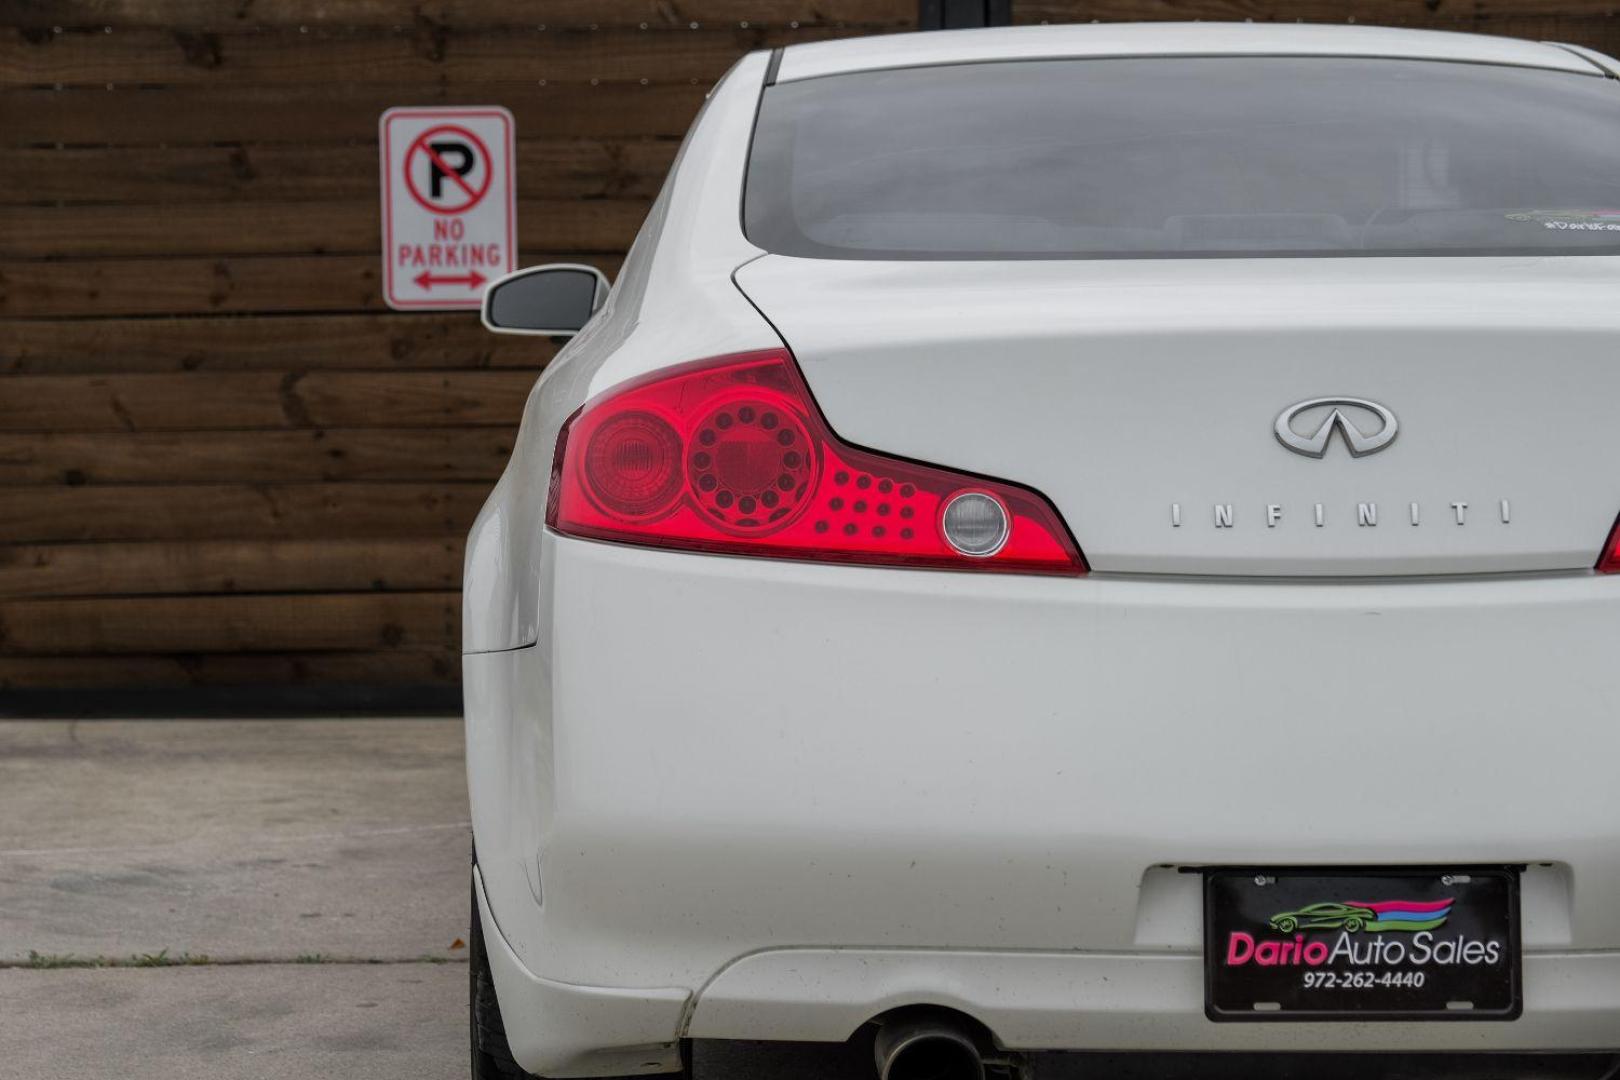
(1046, 526)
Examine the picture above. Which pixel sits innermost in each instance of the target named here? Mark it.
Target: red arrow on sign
(472, 279)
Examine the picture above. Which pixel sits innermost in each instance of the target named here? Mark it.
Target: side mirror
(555, 300)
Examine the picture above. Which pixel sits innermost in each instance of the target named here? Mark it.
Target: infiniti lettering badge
(1358, 439)
(1366, 427)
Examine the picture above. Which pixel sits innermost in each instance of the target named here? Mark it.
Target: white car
(1070, 539)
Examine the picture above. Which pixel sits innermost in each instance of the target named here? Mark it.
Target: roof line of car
(1597, 70)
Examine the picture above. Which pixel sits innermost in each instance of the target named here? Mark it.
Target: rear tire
(491, 1053)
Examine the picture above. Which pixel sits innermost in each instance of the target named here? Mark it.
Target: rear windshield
(1187, 157)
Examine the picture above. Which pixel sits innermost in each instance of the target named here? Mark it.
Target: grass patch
(163, 958)
(39, 961)
(50, 961)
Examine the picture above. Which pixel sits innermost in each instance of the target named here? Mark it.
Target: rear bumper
(1030, 1001)
(799, 795)
(562, 1029)
(1119, 1002)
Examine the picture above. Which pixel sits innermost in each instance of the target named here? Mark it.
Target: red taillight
(731, 456)
(1609, 561)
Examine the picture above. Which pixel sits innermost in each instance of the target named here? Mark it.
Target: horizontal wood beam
(414, 622)
(287, 57)
(557, 169)
(429, 17)
(263, 399)
(169, 286)
(182, 671)
(261, 457)
(230, 566)
(238, 511)
(284, 343)
(281, 228)
(329, 110)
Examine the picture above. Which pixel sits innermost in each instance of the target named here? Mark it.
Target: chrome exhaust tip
(927, 1048)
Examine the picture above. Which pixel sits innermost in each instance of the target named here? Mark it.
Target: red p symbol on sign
(447, 169)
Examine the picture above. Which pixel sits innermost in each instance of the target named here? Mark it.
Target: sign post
(449, 205)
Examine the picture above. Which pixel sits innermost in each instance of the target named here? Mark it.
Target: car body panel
(914, 785)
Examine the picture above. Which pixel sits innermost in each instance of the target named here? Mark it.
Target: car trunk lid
(1143, 397)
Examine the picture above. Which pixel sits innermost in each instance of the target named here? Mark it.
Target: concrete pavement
(263, 1022)
(233, 839)
(261, 852)
(310, 878)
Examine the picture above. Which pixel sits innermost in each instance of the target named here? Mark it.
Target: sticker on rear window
(1571, 220)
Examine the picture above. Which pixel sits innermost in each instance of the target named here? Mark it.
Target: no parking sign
(448, 203)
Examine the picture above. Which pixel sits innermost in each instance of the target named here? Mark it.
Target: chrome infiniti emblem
(1360, 441)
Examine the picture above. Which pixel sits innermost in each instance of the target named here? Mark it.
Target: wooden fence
(222, 461)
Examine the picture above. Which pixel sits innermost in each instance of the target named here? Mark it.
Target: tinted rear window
(1188, 157)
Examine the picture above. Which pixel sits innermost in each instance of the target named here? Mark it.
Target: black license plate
(1362, 945)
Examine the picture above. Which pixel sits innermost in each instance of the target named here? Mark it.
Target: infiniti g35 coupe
(1034, 505)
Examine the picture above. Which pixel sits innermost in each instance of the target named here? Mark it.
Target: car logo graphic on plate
(1358, 915)
(1360, 441)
